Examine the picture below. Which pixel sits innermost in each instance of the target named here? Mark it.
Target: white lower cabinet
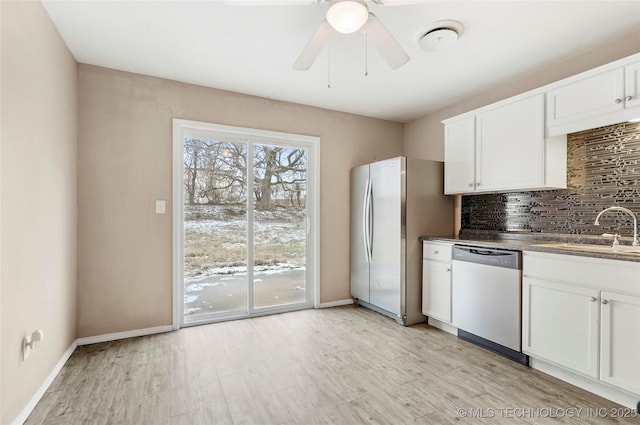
(561, 324)
(583, 314)
(436, 281)
(620, 341)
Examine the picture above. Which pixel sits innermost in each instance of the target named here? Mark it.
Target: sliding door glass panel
(215, 227)
(279, 225)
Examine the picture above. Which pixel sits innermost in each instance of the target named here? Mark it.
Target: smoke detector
(440, 35)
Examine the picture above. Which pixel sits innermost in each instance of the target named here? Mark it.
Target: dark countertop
(540, 242)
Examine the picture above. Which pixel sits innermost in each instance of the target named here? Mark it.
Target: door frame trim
(180, 126)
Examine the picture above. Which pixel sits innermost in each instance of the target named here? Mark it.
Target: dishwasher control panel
(488, 256)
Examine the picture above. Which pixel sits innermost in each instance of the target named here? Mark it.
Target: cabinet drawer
(597, 273)
(436, 251)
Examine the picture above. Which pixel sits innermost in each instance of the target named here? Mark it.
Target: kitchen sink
(620, 249)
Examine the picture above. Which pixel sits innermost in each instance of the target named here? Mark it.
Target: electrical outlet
(30, 342)
(26, 348)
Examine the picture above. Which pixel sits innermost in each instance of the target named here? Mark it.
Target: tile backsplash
(603, 170)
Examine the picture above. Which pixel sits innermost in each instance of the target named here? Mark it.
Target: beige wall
(424, 137)
(100, 192)
(125, 136)
(38, 192)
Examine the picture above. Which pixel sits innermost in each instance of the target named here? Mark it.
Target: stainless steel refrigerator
(393, 203)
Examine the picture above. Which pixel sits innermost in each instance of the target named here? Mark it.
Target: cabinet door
(510, 146)
(620, 344)
(459, 156)
(436, 290)
(560, 324)
(632, 86)
(572, 106)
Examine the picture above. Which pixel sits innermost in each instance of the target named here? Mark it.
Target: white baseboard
(597, 387)
(26, 411)
(336, 303)
(443, 326)
(122, 335)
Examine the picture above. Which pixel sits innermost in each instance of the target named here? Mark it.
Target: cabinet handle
(448, 270)
(478, 184)
(628, 98)
(593, 299)
(470, 184)
(605, 302)
(436, 252)
(618, 100)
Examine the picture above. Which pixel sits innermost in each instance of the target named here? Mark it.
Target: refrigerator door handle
(365, 221)
(370, 220)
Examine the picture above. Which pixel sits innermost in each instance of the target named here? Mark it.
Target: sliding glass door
(215, 227)
(246, 228)
(279, 225)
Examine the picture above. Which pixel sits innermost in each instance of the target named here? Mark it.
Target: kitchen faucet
(635, 221)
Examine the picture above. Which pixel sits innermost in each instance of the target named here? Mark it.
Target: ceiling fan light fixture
(347, 16)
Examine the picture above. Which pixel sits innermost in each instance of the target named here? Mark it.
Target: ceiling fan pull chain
(329, 66)
(366, 53)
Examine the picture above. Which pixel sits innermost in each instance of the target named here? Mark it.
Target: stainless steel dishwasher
(487, 299)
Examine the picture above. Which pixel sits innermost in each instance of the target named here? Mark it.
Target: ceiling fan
(346, 17)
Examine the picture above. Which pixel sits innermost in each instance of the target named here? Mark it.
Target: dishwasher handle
(493, 252)
(488, 256)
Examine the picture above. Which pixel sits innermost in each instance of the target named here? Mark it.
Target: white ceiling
(251, 49)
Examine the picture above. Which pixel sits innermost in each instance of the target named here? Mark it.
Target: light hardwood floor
(344, 365)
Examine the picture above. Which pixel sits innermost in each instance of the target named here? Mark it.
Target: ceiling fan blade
(402, 2)
(313, 48)
(388, 47)
(270, 2)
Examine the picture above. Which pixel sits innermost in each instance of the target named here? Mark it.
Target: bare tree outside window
(215, 174)
(215, 201)
(280, 172)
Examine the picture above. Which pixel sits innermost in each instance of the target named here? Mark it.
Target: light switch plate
(161, 206)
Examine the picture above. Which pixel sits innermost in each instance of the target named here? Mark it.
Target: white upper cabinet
(459, 153)
(510, 146)
(583, 99)
(632, 87)
(520, 143)
(503, 148)
(594, 99)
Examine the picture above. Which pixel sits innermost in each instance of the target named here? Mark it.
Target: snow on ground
(281, 227)
(197, 287)
(191, 310)
(239, 271)
(214, 296)
(263, 231)
(194, 286)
